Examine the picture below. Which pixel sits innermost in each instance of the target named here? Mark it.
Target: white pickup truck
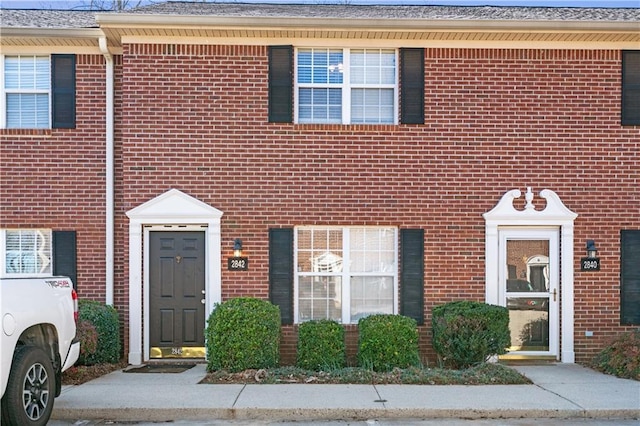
(38, 342)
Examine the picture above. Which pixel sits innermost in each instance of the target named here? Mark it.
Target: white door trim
(166, 211)
(555, 214)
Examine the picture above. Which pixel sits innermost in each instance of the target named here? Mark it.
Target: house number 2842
(237, 263)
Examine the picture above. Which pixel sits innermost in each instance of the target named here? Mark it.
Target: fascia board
(191, 21)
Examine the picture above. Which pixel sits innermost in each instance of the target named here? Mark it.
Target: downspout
(109, 219)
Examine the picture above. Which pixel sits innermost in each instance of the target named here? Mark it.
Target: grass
(483, 374)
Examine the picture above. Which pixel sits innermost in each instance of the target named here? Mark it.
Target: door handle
(555, 294)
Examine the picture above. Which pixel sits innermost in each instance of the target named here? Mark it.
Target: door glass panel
(527, 295)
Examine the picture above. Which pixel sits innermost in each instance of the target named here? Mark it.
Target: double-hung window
(27, 91)
(345, 274)
(37, 91)
(346, 86)
(26, 252)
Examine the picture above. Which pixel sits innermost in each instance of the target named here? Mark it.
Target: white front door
(528, 276)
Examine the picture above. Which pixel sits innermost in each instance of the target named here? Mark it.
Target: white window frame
(4, 91)
(346, 86)
(346, 272)
(48, 234)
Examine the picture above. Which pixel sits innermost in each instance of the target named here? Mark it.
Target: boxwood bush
(243, 333)
(321, 345)
(467, 333)
(104, 319)
(387, 341)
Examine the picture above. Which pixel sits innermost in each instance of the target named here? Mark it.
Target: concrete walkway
(559, 391)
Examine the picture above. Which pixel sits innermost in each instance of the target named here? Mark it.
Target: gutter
(109, 164)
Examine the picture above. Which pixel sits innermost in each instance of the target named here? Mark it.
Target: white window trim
(345, 273)
(4, 91)
(3, 254)
(346, 86)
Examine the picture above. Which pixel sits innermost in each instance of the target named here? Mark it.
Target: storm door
(529, 288)
(176, 294)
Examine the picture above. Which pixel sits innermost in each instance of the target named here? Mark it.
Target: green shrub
(321, 345)
(622, 357)
(105, 320)
(88, 336)
(386, 342)
(467, 333)
(243, 333)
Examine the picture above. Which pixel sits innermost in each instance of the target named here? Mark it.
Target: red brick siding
(56, 178)
(195, 119)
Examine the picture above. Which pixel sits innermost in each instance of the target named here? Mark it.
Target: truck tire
(28, 399)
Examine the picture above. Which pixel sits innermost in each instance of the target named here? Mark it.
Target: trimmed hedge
(467, 333)
(321, 345)
(243, 333)
(104, 319)
(386, 342)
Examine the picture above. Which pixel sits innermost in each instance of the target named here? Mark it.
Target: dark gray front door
(176, 294)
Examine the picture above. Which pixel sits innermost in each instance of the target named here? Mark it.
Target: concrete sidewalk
(559, 391)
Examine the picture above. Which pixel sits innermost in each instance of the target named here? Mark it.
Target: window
(631, 87)
(345, 274)
(27, 82)
(27, 252)
(38, 92)
(346, 86)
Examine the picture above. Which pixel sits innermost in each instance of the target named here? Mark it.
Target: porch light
(592, 251)
(237, 247)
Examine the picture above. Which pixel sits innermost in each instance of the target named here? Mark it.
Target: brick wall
(56, 178)
(195, 119)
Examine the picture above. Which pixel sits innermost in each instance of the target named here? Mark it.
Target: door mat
(159, 368)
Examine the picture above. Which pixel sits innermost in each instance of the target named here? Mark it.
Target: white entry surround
(173, 210)
(555, 214)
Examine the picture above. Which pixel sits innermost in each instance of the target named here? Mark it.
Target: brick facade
(194, 118)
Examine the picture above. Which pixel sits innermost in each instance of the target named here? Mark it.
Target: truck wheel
(28, 399)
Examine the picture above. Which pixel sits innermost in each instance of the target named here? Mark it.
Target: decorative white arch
(555, 214)
(173, 208)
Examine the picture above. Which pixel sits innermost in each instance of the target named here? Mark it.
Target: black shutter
(412, 274)
(281, 271)
(280, 84)
(630, 277)
(412, 86)
(65, 254)
(63, 88)
(630, 87)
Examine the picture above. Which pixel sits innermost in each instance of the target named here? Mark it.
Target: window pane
(372, 105)
(320, 298)
(27, 110)
(42, 70)
(320, 66)
(371, 295)
(372, 250)
(320, 105)
(28, 252)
